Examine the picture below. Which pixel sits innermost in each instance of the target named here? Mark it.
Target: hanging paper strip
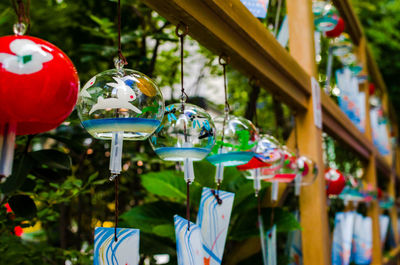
(384, 227)
(362, 240)
(124, 251)
(271, 246)
(283, 35)
(342, 238)
(213, 219)
(188, 242)
(257, 7)
(294, 245)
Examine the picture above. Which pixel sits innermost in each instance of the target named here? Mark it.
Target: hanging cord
(181, 27)
(296, 142)
(22, 12)
(121, 58)
(116, 180)
(181, 31)
(278, 12)
(255, 85)
(223, 60)
(188, 203)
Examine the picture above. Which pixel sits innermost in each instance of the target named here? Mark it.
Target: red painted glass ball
(337, 30)
(335, 181)
(38, 84)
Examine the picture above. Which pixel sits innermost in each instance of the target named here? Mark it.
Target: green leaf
(49, 174)
(166, 230)
(23, 206)
(53, 159)
(21, 169)
(166, 183)
(156, 214)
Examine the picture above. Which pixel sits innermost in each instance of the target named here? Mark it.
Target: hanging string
(188, 203)
(22, 12)
(116, 180)
(121, 57)
(255, 85)
(296, 143)
(224, 61)
(278, 12)
(181, 31)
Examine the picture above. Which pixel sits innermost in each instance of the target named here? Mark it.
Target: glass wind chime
(235, 136)
(187, 132)
(29, 69)
(119, 104)
(297, 169)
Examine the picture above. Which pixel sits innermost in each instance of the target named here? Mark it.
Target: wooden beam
(228, 27)
(313, 204)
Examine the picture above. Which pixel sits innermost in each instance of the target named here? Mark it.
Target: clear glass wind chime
(120, 104)
(235, 136)
(187, 132)
(297, 169)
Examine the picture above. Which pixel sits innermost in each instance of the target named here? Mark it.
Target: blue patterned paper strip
(107, 251)
(188, 242)
(213, 219)
(257, 7)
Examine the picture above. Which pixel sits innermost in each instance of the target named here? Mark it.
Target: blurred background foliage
(59, 190)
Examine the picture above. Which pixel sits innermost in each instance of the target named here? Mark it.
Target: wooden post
(373, 212)
(313, 203)
(370, 173)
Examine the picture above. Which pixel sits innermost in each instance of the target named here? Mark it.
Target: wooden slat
(339, 125)
(252, 48)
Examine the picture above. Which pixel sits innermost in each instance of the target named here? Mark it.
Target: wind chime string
(121, 57)
(181, 31)
(188, 203)
(296, 143)
(116, 180)
(119, 63)
(223, 60)
(22, 12)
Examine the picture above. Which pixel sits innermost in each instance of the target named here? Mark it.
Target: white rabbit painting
(125, 94)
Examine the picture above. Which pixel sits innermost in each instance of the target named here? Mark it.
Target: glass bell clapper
(186, 134)
(7, 142)
(120, 104)
(235, 139)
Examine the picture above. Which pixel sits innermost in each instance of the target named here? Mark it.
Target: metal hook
(181, 27)
(224, 59)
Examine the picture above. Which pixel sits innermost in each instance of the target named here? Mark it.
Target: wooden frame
(226, 26)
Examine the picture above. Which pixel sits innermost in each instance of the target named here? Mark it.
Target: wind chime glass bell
(235, 139)
(268, 155)
(187, 133)
(325, 16)
(120, 104)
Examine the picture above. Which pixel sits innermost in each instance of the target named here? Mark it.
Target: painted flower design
(28, 57)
